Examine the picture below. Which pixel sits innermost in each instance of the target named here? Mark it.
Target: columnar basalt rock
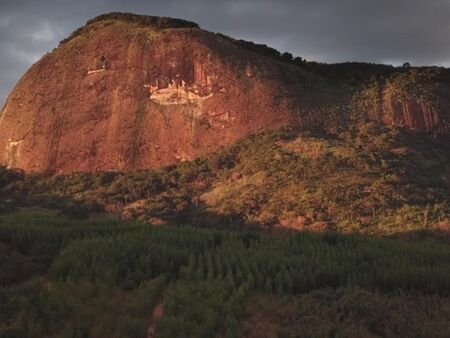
(130, 92)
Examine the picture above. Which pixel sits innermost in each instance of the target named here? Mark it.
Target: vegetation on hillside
(105, 281)
(355, 74)
(346, 312)
(153, 22)
(71, 265)
(369, 179)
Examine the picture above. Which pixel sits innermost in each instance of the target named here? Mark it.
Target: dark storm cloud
(391, 31)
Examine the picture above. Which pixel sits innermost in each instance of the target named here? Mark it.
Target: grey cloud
(391, 31)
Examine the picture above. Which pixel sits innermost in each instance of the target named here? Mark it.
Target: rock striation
(128, 92)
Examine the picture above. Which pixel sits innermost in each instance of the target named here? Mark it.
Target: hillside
(369, 179)
(138, 92)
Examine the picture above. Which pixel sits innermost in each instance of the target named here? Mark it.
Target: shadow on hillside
(439, 234)
(64, 205)
(204, 218)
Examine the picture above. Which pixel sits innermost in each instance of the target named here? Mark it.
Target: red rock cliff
(121, 94)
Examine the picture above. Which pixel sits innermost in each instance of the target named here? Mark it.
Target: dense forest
(101, 277)
(330, 233)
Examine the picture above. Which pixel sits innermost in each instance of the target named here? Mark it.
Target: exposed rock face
(124, 93)
(413, 99)
(414, 114)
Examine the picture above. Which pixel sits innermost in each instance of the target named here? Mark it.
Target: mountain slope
(133, 92)
(370, 179)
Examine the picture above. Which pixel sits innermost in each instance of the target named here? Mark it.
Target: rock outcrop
(415, 99)
(131, 92)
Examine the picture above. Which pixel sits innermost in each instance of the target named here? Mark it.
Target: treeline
(158, 22)
(351, 73)
(154, 22)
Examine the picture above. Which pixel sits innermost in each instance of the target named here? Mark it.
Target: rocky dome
(129, 92)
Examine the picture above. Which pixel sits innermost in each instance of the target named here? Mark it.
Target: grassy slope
(369, 179)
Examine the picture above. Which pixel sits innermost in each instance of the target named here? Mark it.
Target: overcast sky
(387, 31)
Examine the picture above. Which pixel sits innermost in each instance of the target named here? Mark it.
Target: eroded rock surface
(125, 94)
